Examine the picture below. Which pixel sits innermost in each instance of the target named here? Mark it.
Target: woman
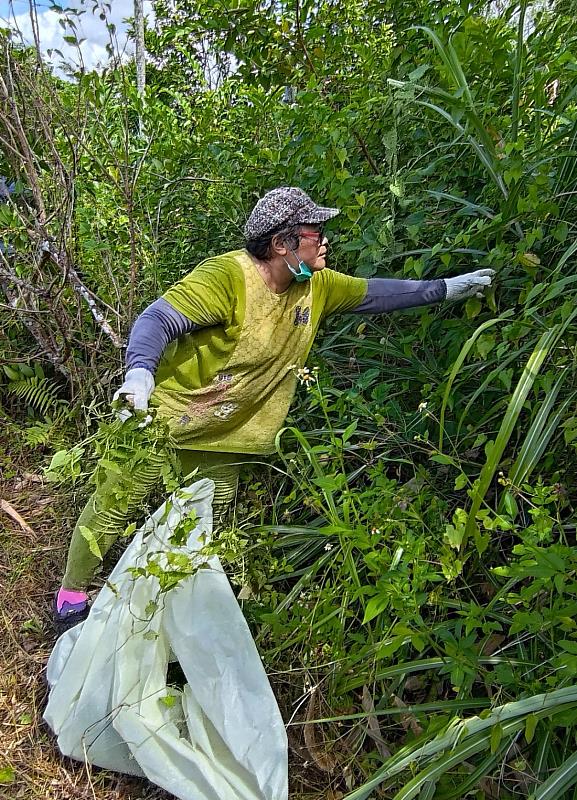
(216, 355)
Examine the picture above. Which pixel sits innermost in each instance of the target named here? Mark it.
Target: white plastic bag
(220, 738)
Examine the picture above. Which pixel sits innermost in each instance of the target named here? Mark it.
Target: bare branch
(64, 264)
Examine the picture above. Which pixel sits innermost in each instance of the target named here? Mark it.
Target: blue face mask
(302, 273)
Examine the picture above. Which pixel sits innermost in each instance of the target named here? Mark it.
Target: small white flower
(328, 546)
(422, 407)
(375, 531)
(306, 377)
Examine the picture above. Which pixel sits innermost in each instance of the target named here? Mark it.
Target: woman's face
(312, 247)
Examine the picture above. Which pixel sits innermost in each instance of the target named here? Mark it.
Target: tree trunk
(139, 41)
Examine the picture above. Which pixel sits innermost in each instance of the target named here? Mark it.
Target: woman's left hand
(468, 285)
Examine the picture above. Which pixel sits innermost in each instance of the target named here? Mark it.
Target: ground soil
(31, 563)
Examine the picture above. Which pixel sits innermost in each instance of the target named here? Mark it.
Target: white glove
(137, 387)
(472, 283)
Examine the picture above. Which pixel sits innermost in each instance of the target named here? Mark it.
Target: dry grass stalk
(373, 727)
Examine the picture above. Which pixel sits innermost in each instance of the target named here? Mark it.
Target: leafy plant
(413, 548)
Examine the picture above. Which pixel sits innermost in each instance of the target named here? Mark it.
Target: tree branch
(62, 261)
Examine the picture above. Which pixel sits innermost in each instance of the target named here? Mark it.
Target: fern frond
(40, 393)
(40, 434)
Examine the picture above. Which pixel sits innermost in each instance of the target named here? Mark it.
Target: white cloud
(89, 27)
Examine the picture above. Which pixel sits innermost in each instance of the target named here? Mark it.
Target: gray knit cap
(285, 206)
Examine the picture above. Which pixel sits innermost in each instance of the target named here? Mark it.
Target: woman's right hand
(136, 390)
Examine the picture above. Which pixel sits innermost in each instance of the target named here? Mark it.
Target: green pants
(107, 520)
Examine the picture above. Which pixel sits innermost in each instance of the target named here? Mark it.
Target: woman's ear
(278, 246)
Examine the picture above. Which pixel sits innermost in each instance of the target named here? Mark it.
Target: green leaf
(375, 606)
(510, 505)
(87, 534)
(348, 432)
(150, 609)
(440, 458)
(169, 700)
(59, 458)
(129, 530)
(473, 307)
(529, 260)
(11, 373)
(341, 154)
(390, 647)
(7, 775)
(530, 725)
(482, 540)
(454, 536)
(454, 533)
(111, 466)
(496, 736)
(485, 344)
(418, 73)
(461, 481)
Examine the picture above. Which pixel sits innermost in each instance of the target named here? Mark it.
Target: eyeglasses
(316, 235)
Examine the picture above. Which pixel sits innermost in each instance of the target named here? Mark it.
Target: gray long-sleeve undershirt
(390, 294)
(161, 323)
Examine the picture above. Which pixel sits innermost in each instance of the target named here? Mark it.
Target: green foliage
(421, 540)
(40, 393)
(7, 775)
(66, 465)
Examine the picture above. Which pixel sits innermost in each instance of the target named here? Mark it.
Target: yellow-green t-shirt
(228, 386)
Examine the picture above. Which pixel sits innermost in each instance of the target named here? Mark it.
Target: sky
(90, 27)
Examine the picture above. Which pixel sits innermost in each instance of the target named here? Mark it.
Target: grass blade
(544, 346)
(483, 769)
(474, 208)
(512, 358)
(474, 734)
(484, 156)
(539, 435)
(557, 784)
(452, 759)
(459, 363)
(422, 665)
(442, 707)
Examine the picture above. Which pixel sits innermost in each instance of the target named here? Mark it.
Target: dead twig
(13, 514)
